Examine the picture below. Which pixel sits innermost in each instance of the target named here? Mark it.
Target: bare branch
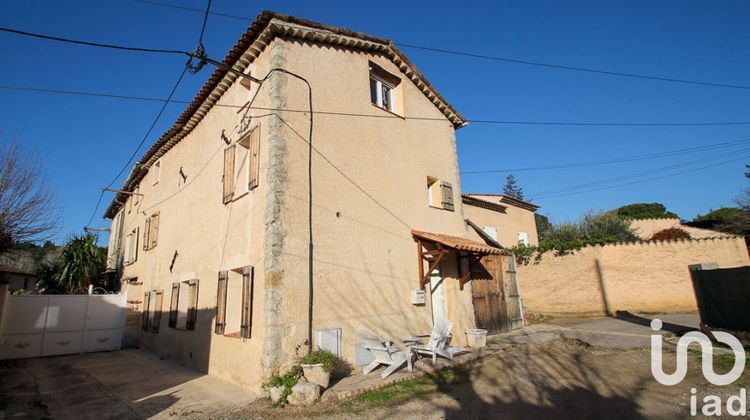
(27, 206)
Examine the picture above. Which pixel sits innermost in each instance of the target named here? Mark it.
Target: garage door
(48, 325)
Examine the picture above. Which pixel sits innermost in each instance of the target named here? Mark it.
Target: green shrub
(329, 361)
(567, 237)
(287, 380)
(670, 234)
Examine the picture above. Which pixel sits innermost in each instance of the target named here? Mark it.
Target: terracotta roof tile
(457, 242)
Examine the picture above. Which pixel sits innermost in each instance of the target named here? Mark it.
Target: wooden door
(488, 293)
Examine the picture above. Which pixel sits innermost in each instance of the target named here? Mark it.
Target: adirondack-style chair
(437, 345)
(390, 356)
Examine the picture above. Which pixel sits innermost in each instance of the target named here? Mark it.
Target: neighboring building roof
(456, 242)
(261, 32)
(24, 261)
(506, 199)
(478, 202)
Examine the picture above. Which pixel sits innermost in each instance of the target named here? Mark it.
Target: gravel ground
(560, 379)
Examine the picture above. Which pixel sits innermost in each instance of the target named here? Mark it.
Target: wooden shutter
(134, 246)
(157, 310)
(128, 248)
(154, 227)
(144, 311)
(173, 304)
(192, 313)
(254, 155)
(221, 302)
(228, 174)
(146, 231)
(447, 193)
(246, 323)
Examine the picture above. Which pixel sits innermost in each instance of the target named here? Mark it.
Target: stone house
(213, 226)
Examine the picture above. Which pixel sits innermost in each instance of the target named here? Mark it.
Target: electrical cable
(380, 116)
(502, 59)
(668, 153)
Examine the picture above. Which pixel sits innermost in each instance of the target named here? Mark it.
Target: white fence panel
(47, 325)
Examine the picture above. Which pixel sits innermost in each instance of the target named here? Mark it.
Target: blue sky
(84, 140)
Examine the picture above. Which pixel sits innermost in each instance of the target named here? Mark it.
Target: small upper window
(383, 88)
(157, 171)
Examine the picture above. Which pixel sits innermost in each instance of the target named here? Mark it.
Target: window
(228, 178)
(383, 88)
(157, 171)
(491, 232)
(440, 194)
(433, 193)
(248, 156)
(234, 303)
(523, 238)
(151, 231)
(151, 316)
(131, 247)
(136, 196)
(183, 308)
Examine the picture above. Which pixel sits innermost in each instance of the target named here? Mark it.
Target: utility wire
(650, 179)
(381, 116)
(573, 68)
(140, 144)
(91, 44)
(605, 181)
(668, 153)
(503, 59)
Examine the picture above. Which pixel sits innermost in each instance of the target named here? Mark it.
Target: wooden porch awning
(456, 242)
(442, 244)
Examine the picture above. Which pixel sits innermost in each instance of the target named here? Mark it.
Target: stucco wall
(508, 224)
(645, 276)
(209, 236)
(369, 191)
(646, 228)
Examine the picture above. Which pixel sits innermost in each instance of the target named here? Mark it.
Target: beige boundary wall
(640, 276)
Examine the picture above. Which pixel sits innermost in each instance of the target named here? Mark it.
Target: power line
(140, 144)
(650, 179)
(381, 116)
(573, 68)
(502, 59)
(91, 44)
(668, 153)
(605, 181)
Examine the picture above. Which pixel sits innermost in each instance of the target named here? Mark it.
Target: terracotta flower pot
(316, 374)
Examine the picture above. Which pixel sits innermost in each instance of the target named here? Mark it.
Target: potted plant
(318, 365)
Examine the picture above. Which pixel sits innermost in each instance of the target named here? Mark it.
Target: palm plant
(80, 264)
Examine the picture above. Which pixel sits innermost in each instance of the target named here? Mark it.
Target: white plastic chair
(437, 345)
(390, 356)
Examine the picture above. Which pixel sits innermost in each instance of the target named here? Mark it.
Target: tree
(644, 211)
(27, 209)
(81, 263)
(511, 187)
(543, 225)
(724, 214)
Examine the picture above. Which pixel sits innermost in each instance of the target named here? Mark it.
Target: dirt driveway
(112, 385)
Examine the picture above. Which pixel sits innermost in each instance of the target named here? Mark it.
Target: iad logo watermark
(736, 405)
